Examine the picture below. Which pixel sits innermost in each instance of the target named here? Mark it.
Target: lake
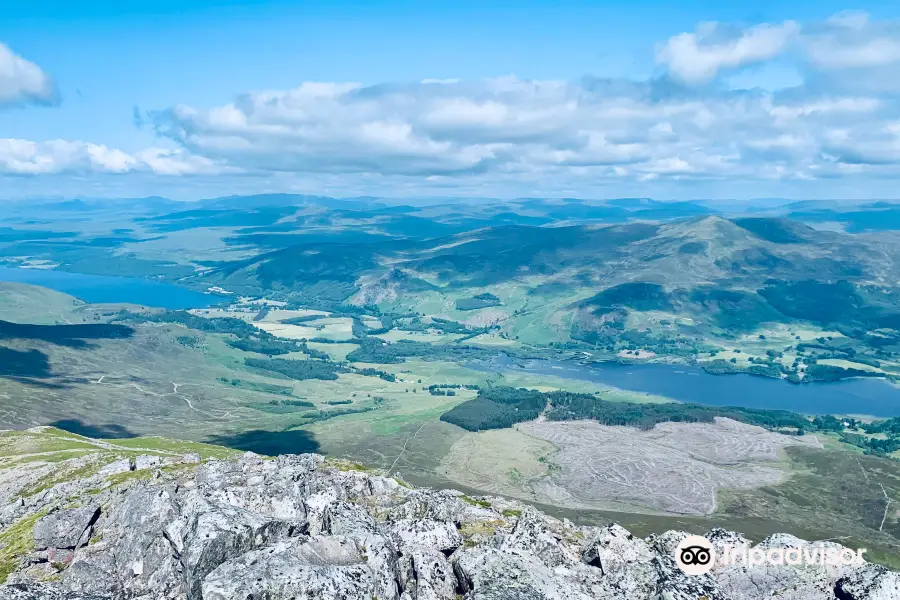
(860, 396)
(98, 289)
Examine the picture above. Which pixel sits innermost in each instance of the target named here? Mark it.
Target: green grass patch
(13, 443)
(120, 478)
(16, 541)
(170, 446)
(346, 465)
(474, 502)
(60, 476)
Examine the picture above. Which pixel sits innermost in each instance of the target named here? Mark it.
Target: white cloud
(22, 81)
(698, 57)
(24, 157)
(852, 40)
(547, 131)
(512, 136)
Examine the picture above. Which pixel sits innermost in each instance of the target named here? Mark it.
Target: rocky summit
(303, 527)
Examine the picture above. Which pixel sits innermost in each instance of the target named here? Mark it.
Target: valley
(657, 371)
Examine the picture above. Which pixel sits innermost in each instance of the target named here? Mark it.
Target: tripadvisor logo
(695, 555)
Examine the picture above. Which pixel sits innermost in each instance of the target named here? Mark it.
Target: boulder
(872, 582)
(329, 568)
(68, 528)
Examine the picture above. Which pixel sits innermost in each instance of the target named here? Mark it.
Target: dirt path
(412, 437)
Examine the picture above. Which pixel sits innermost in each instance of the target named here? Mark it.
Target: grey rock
(191, 458)
(535, 535)
(215, 534)
(37, 591)
(322, 569)
(431, 577)
(798, 582)
(147, 461)
(673, 583)
(120, 466)
(298, 528)
(134, 557)
(626, 564)
(872, 582)
(491, 574)
(65, 528)
(420, 535)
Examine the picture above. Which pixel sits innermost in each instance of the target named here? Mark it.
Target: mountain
(102, 520)
(265, 200)
(694, 256)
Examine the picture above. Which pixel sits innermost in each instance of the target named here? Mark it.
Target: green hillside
(687, 289)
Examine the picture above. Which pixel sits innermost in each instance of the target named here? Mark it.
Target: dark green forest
(501, 407)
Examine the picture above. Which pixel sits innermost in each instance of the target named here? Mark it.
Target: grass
(16, 541)
(846, 364)
(475, 502)
(337, 352)
(347, 465)
(170, 446)
(835, 493)
(54, 457)
(22, 303)
(53, 446)
(61, 476)
(16, 443)
(339, 328)
(120, 478)
(470, 531)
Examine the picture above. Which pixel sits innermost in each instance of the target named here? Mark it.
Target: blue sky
(595, 99)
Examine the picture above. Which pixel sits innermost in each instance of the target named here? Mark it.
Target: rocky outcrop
(301, 528)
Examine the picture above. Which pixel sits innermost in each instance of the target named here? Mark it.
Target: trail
(63, 317)
(103, 444)
(143, 391)
(404, 447)
(887, 499)
(886, 507)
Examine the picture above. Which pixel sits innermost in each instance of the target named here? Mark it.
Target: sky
(698, 99)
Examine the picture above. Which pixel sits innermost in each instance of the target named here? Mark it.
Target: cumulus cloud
(24, 157)
(851, 51)
(698, 57)
(852, 40)
(519, 136)
(515, 128)
(22, 81)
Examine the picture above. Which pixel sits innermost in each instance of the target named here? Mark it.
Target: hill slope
(669, 286)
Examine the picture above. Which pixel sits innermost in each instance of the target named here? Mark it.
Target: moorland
(361, 329)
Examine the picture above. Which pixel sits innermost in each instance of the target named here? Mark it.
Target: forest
(501, 407)
(297, 369)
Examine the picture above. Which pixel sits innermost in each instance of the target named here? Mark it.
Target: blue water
(98, 289)
(862, 396)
